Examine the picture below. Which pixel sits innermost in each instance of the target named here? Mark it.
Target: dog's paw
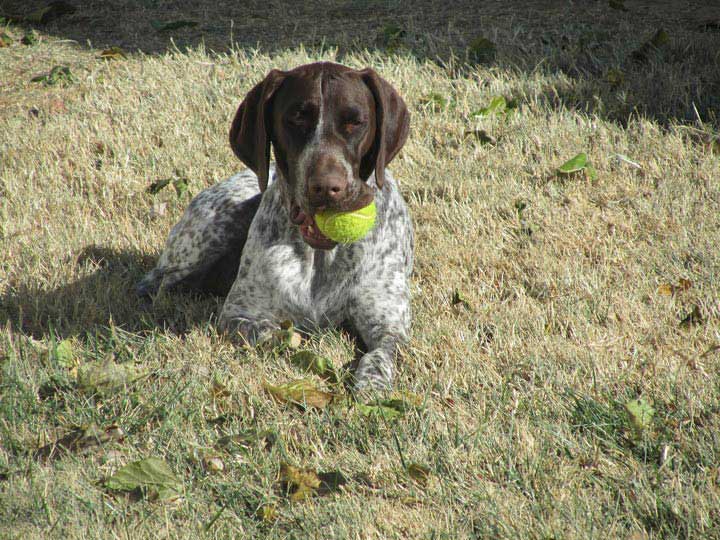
(374, 372)
(250, 332)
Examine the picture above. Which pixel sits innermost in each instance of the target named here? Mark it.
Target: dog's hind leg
(203, 249)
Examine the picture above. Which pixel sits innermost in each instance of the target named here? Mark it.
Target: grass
(542, 303)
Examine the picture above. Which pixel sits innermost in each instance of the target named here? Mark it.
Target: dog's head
(330, 127)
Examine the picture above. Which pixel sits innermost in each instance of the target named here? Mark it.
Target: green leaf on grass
(574, 165)
(104, 378)
(579, 163)
(314, 363)
(640, 414)
(498, 105)
(57, 75)
(152, 476)
(300, 392)
(171, 25)
(64, 354)
(394, 407)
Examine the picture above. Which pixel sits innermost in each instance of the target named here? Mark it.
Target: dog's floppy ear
(392, 125)
(250, 133)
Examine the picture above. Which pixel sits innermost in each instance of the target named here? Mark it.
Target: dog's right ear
(250, 133)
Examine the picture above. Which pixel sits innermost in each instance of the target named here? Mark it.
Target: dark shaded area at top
(584, 39)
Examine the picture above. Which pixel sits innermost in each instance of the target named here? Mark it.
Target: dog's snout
(327, 183)
(326, 190)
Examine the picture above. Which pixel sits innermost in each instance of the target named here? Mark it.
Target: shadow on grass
(104, 298)
(591, 43)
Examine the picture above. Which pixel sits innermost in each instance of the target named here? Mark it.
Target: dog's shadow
(102, 296)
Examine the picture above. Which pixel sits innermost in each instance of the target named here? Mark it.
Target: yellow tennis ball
(346, 227)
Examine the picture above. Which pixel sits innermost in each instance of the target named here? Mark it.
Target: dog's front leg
(383, 323)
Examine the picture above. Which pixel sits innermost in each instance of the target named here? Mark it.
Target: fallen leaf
(57, 75)
(152, 476)
(79, 440)
(498, 105)
(5, 40)
(573, 165)
(300, 392)
(388, 413)
(300, 483)
(113, 53)
(314, 363)
(171, 25)
(640, 414)
(104, 378)
(63, 354)
(576, 164)
(394, 407)
(618, 4)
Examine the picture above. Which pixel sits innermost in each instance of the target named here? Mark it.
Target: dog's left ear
(250, 133)
(392, 125)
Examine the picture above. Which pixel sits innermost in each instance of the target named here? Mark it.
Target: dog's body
(333, 130)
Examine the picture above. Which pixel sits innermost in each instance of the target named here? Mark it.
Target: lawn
(563, 378)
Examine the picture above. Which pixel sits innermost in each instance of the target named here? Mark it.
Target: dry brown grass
(522, 426)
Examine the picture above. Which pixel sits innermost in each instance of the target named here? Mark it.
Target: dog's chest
(313, 285)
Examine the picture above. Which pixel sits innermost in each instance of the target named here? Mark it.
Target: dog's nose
(326, 190)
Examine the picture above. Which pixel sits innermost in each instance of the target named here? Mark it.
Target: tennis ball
(346, 227)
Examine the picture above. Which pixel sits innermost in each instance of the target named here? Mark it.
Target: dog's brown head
(330, 127)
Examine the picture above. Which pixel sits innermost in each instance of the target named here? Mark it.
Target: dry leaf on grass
(419, 472)
(245, 440)
(107, 377)
(300, 392)
(300, 484)
(152, 477)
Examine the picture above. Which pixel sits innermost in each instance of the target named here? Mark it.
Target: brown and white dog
(253, 237)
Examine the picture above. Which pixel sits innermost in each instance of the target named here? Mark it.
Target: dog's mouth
(309, 231)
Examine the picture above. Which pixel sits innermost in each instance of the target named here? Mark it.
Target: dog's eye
(297, 118)
(351, 125)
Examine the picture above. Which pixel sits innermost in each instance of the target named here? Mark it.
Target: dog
(253, 237)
